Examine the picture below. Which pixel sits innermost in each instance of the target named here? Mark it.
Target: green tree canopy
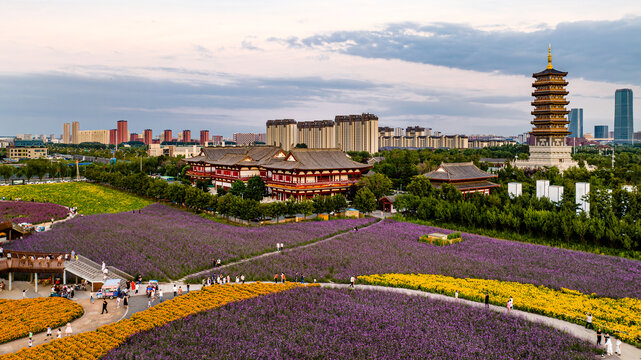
(365, 200)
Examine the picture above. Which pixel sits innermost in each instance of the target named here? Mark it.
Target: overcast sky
(228, 66)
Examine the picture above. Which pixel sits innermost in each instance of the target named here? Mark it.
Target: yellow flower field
(87, 197)
(619, 316)
(19, 317)
(94, 344)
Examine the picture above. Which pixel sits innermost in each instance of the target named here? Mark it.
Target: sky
(229, 66)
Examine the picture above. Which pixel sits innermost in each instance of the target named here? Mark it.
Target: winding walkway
(204, 272)
(628, 352)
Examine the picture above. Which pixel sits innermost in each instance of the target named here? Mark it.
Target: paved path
(629, 352)
(204, 272)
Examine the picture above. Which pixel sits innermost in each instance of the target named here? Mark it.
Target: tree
(338, 202)
(365, 200)
(301, 146)
(420, 186)
(6, 171)
(237, 188)
(378, 184)
(255, 188)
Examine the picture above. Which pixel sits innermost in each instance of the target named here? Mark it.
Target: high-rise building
(623, 119)
(576, 123)
(123, 133)
(601, 132)
(93, 136)
(148, 136)
(75, 132)
(244, 138)
(133, 137)
(204, 137)
(66, 133)
(549, 122)
(216, 139)
(186, 135)
(357, 132)
(261, 138)
(113, 136)
(320, 134)
(166, 135)
(399, 131)
(282, 133)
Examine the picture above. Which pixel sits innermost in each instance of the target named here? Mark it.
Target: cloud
(596, 50)
(42, 102)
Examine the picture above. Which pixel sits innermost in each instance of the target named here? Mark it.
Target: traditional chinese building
(225, 165)
(299, 173)
(550, 122)
(465, 177)
(305, 173)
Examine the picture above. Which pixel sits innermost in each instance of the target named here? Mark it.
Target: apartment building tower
(282, 133)
(357, 132)
(320, 134)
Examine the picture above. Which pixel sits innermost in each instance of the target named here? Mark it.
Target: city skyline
(401, 61)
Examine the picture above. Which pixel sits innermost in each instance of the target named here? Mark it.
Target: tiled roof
(549, 72)
(458, 171)
(316, 159)
(254, 155)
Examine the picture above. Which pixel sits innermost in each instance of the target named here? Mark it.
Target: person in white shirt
(352, 280)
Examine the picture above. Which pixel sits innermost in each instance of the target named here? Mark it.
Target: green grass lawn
(87, 197)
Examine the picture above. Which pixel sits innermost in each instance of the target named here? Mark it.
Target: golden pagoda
(550, 122)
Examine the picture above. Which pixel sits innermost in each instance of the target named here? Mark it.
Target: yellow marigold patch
(89, 198)
(20, 317)
(94, 344)
(619, 316)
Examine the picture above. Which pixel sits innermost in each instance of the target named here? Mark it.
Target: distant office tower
(576, 123)
(216, 139)
(318, 134)
(637, 137)
(113, 136)
(204, 137)
(282, 133)
(186, 135)
(75, 132)
(66, 133)
(166, 135)
(601, 132)
(623, 119)
(123, 133)
(357, 132)
(148, 136)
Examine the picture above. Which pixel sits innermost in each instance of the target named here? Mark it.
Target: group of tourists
(220, 279)
(68, 332)
(282, 278)
(610, 349)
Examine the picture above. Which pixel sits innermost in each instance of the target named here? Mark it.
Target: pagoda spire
(550, 56)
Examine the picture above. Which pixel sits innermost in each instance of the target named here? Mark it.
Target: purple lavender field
(163, 242)
(314, 323)
(393, 247)
(31, 212)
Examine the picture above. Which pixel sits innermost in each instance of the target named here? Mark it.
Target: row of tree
(612, 222)
(244, 207)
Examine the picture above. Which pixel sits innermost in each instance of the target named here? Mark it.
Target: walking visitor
(598, 338)
(352, 280)
(49, 333)
(59, 333)
(456, 295)
(118, 303)
(68, 330)
(175, 290)
(242, 278)
(282, 277)
(487, 300)
(104, 307)
(588, 321)
(617, 348)
(608, 345)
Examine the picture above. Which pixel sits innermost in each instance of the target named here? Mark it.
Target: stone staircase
(92, 271)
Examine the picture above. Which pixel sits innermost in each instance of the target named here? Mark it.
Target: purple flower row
(314, 323)
(31, 212)
(163, 242)
(393, 247)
